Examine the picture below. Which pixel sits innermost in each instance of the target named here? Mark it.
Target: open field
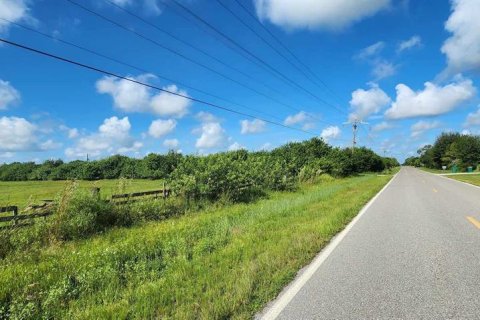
(216, 264)
(22, 193)
(469, 178)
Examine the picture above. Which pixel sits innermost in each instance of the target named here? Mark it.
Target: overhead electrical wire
(175, 52)
(304, 65)
(109, 73)
(186, 43)
(287, 79)
(264, 40)
(140, 69)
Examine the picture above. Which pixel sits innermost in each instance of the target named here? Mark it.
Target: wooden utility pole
(355, 124)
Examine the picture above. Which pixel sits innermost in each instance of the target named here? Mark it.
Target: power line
(265, 41)
(171, 35)
(142, 70)
(109, 73)
(180, 55)
(293, 83)
(307, 68)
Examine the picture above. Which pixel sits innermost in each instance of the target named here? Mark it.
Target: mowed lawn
(23, 193)
(223, 263)
(473, 178)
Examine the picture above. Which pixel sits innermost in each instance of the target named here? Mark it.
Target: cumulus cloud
(113, 136)
(171, 143)
(463, 47)
(235, 147)
(383, 69)
(473, 119)
(160, 128)
(382, 126)
(422, 126)
(411, 43)
(253, 126)
(132, 97)
(8, 94)
(432, 100)
(150, 6)
(367, 102)
(296, 118)
(19, 134)
(331, 132)
(301, 118)
(12, 10)
(212, 135)
(317, 14)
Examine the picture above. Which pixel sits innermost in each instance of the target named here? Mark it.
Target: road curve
(413, 254)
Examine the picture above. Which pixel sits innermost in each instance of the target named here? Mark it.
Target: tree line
(449, 150)
(214, 175)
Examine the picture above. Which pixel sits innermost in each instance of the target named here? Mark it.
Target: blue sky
(410, 69)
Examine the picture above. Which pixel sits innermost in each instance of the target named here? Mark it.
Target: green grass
(435, 170)
(24, 193)
(215, 264)
(469, 178)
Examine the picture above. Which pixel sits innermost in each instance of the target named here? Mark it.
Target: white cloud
(432, 100)
(463, 47)
(411, 43)
(421, 126)
(317, 14)
(473, 119)
(17, 134)
(371, 51)
(203, 116)
(331, 132)
(8, 94)
(212, 135)
(160, 128)
(382, 126)
(367, 102)
(236, 146)
(13, 10)
(50, 145)
(166, 104)
(300, 118)
(171, 143)
(113, 136)
(132, 97)
(73, 133)
(253, 126)
(383, 69)
(296, 118)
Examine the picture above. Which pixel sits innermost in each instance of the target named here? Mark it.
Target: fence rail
(44, 210)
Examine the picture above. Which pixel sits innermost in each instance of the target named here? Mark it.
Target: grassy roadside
(21, 193)
(436, 171)
(224, 263)
(468, 178)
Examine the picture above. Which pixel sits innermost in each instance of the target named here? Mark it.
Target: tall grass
(213, 264)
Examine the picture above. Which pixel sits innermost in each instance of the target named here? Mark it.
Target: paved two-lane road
(413, 254)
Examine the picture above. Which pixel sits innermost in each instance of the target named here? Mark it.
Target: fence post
(164, 191)
(95, 192)
(15, 215)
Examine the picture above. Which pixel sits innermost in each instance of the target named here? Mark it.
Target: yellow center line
(474, 221)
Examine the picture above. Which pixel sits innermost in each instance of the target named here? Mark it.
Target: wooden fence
(44, 210)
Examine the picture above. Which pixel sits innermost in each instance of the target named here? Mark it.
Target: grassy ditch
(468, 178)
(213, 264)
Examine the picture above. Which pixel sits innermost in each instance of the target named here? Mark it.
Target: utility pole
(355, 124)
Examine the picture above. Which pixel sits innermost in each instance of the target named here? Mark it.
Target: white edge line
(451, 179)
(274, 309)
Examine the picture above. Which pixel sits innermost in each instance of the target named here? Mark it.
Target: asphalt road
(413, 254)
